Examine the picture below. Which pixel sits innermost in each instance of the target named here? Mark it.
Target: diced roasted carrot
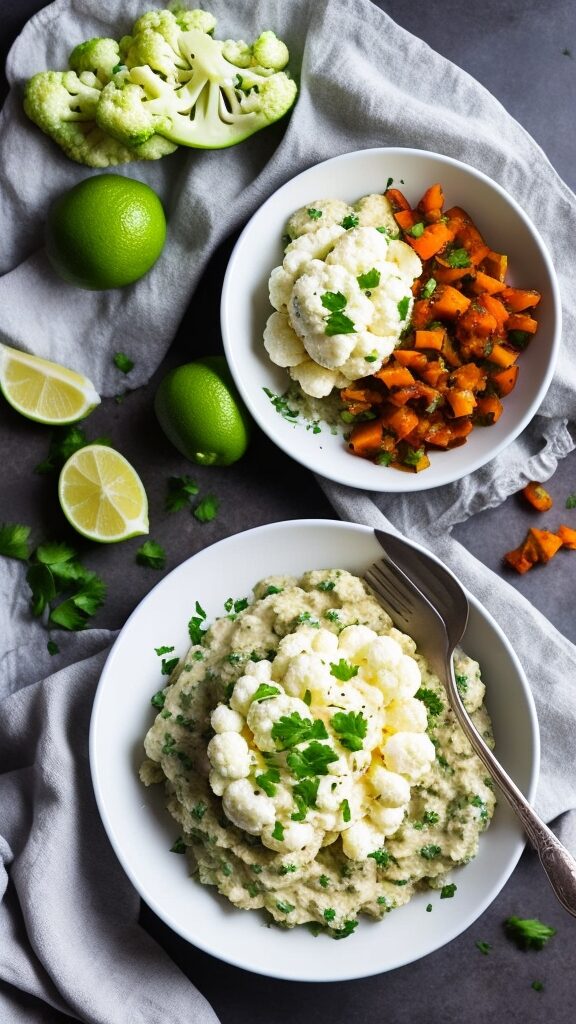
(448, 435)
(547, 543)
(406, 219)
(484, 283)
(433, 199)
(394, 376)
(568, 537)
(518, 299)
(397, 199)
(477, 322)
(467, 234)
(495, 264)
(401, 421)
(493, 306)
(502, 355)
(488, 410)
(421, 313)
(429, 339)
(448, 302)
(366, 438)
(447, 275)
(537, 496)
(369, 395)
(449, 352)
(461, 401)
(432, 240)
(413, 393)
(471, 377)
(408, 357)
(524, 556)
(522, 322)
(505, 380)
(434, 373)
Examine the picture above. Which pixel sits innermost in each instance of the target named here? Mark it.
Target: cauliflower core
(310, 759)
(342, 294)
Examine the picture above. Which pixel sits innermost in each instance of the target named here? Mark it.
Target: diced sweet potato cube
(470, 376)
(433, 199)
(522, 322)
(395, 376)
(401, 421)
(502, 355)
(537, 496)
(505, 380)
(547, 543)
(488, 410)
(461, 401)
(366, 438)
(568, 537)
(495, 264)
(432, 240)
(429, 339)
(484, 283)
(519, 299)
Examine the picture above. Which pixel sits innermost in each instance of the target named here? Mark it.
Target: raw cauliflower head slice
(314, 246)
(309, 313)
(282, 343)
(249, 810)
(317, 214)
(359, 251)
(375, 211)
(409, 753)
(313, 379)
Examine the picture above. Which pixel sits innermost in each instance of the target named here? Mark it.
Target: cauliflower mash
(342, 295)
(311, 759)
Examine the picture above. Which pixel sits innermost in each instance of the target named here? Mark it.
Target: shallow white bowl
(245, 308)
(142, 832)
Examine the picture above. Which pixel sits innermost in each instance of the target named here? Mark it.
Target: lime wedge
(44, 391)
(102, 496)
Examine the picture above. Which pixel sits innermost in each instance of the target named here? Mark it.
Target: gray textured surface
(526, 55)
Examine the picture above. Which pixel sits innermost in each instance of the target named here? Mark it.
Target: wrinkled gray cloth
(69, 938)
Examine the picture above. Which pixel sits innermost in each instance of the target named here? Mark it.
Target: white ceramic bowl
(246, 307)
(142, 832)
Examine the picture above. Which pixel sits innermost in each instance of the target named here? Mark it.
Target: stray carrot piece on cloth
(538, 496)
(524, 556)
(568, 536)
(547, 543)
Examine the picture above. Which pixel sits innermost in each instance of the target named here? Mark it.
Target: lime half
(102, 496)
(45, 391)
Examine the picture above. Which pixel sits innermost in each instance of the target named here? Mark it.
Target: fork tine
(382, 578)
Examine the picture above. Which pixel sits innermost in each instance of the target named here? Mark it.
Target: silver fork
(425, 600)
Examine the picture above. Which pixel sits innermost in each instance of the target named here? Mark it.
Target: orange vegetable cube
(461, 401)
(429, 339)
(519, 299)
(537, 496)
(433, 199)
(502, 355)
(505, 380)
(568, 537)
(488, 410)
(395, 376)
(366, 438)
(484, 283)
(401, 421)
(521, 322)
(448, 303)
(495, 264)
(432, 240)
(397, 199)
(547, 543)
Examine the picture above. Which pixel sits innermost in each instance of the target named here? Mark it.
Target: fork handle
(558, 863)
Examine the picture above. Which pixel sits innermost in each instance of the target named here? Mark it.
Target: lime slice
(102, 496)
(44, 391)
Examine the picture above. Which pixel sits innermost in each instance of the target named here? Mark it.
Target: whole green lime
(105, 232)
(201, 413)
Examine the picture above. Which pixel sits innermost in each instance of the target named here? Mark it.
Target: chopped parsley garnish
(179, 846)
(329, 914)
(350, 728)
(343, 670)
(346, 930)
(272, 590)
(333, 301)
(381, 857)
(382, 901)
(195, 631)
(389, 184)
(305, 793)
(403, 306)
(571, 501)
(14, 541)
(169, 744)
(284, 907)
(372, 356)
(413, 456)
(528, 932)
(63, 443)
(434, 705)
(461, 683)
(281, 405)
(237, 606)
(313, 760)
(484, 947)
(430, 852)
(331, 615)
(429, 908)
(52, 647)
(477, 801)
(207, 509)
(345, 808)
(447, 891)
(458, 258)
(325, 585)
(168, 665)
(417, 230)
(306, 618)
(265, 691)
(314, 214)
(123, 362)
(307, 698)
(199, 810)
(278, 831)
(324, 881)
(180, 489)
(54, 572)
(430, 818)
(384, 458)
(163, 650)
(268, 780)
(151, 554)
(286, 869)
(292, 729)
(339, 323)
(371, 279)
(350, 221)
(157, 701)
(428, 288)
(537, 986)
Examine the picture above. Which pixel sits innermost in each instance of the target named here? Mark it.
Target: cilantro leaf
(350, 728)
(571, 501)
(314, 214)
(313, 760)
(168, 665)
(381, 857)
(195, 631)
(329, 914)
(41, 583)
(325, 585)
(434, 705)
(265, 691)
(343, 670)
(305, 794)
(458, 258)
(14, 540)
(151, 554)
(63, 443)
(207, 509)
(350, 221)
(163, 650)
(52, 647)
(281, 405)
(180, 489)
(267, 781)
(278, 832)
(346, 930)
(123, 362)
(403, 307)
(333, 301)
(339, 323)
(53, 553)
(292, 729)
(371, 279)
(430, 852)
(447, 891)
(158, 699)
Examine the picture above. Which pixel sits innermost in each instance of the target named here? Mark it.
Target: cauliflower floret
(325, 643)
(307, 671)
(409, 754)
(361, 839)
(308, 313)
(280, 288)
(297, 834)
(376, 211)
(353, 639)
(319, 213)
(249, 810)
(282, 343)
(387, 819)
(359, 251)
(407, 715)
(395, 673)
(217, 782)
(368, 355)
(313, 246)
(290, 645)
(243, 692)
(392, 303)
(230, 755)
(270, 52)
(313, 379)
(332, 790)
(391, 789)
(263, 715)
(261, 670)
(225, 719)
(404, 257)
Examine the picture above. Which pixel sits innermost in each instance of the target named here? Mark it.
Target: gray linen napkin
(357, 91)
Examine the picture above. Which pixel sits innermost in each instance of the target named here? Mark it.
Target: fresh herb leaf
(384, 458)
(537, 986)
(268, 780)
(428, 288)
(278, 831)
(381, 857)
(41, 583)
(292, 729)
(313, 760)
(284, 907)
(158, 700)
(345, 808)
(151, 554)
(372, 356)
(571, 501)
(281, 405)
(168, 665)
(413, 456)
(430, 852)
(417, 230)
(447, 891)
(346, 930)
(180, 489)
(199, 810)
(339, 323)
(305, 794)
(329, 914)
(207, 509)
(14, 541)
(314, 214)
(163, 650)
(273, 590)
(484, 947)
(123, 362)
(343, 670)
(52, 647)
(434, 705)
(528, 932)
(287, 869)
(350, 221)
(333, 301)
(350, 728)
(403, 306)
(458, 258)
(428, 908)
(324, 881)
(195, 631)
(305, 618)
(371, 279)
(63, 443)
(461, 683)
(332, 615)
(325, 585)
(265, 691)
(179, 846)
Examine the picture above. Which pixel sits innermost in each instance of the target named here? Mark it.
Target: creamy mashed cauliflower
(342, 295)
(311, 759)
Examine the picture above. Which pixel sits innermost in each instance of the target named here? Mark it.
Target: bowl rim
(242, 961)
(387, 483)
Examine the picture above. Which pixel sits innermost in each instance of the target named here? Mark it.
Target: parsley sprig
(179, 492)
(64, 442)
(292, 729)
(350, 728)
